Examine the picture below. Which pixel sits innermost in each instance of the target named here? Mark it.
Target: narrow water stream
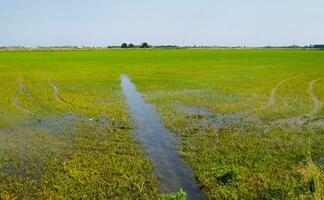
(160, 145)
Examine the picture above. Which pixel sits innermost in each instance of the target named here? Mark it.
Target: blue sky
(181, 22)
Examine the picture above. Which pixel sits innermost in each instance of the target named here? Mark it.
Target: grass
(241, 144)
(81, 149)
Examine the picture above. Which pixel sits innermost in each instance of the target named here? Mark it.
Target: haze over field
(180, 22)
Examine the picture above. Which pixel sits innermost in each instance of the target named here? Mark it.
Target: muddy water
(160, 144)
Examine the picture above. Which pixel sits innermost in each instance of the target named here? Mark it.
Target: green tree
(124, 45)
(131, 45)
(145, 45)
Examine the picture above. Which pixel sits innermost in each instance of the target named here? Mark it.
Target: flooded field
(160, 145)
(162, 124)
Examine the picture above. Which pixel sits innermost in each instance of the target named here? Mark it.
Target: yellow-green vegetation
(251, 122)
(72, 144)
(248, 118)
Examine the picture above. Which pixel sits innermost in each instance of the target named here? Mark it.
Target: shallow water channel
(160, 145)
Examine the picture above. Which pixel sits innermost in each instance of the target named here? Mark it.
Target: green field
(251, 122)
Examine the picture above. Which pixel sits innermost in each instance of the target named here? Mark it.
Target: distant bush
(131, 45)
(145, 45)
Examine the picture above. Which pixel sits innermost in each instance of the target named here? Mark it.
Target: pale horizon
(102, 23)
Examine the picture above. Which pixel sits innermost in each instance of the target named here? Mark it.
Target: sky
(161, 22)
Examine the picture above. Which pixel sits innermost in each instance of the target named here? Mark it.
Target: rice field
(250, 122)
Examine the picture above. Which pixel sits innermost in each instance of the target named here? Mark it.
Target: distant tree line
(318, 46)
(131, 45)
(146, 45)
(315, 46)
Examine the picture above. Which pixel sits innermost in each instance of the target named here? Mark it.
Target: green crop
(250, 121)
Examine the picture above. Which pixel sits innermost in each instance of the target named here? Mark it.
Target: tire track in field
(306, 118)
(272, 98)
(317, 102)
(56, 93)
(63, 101)
(15, 99)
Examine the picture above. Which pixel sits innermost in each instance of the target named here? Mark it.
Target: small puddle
(160, 144)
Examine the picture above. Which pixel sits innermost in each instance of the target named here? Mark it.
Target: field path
(317, 102)
(61, 100)
(56, 93)
(304, 119)
(15, 99)
(272, 98)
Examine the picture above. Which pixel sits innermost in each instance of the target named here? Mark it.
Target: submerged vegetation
(71, 142)
(251, 122)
